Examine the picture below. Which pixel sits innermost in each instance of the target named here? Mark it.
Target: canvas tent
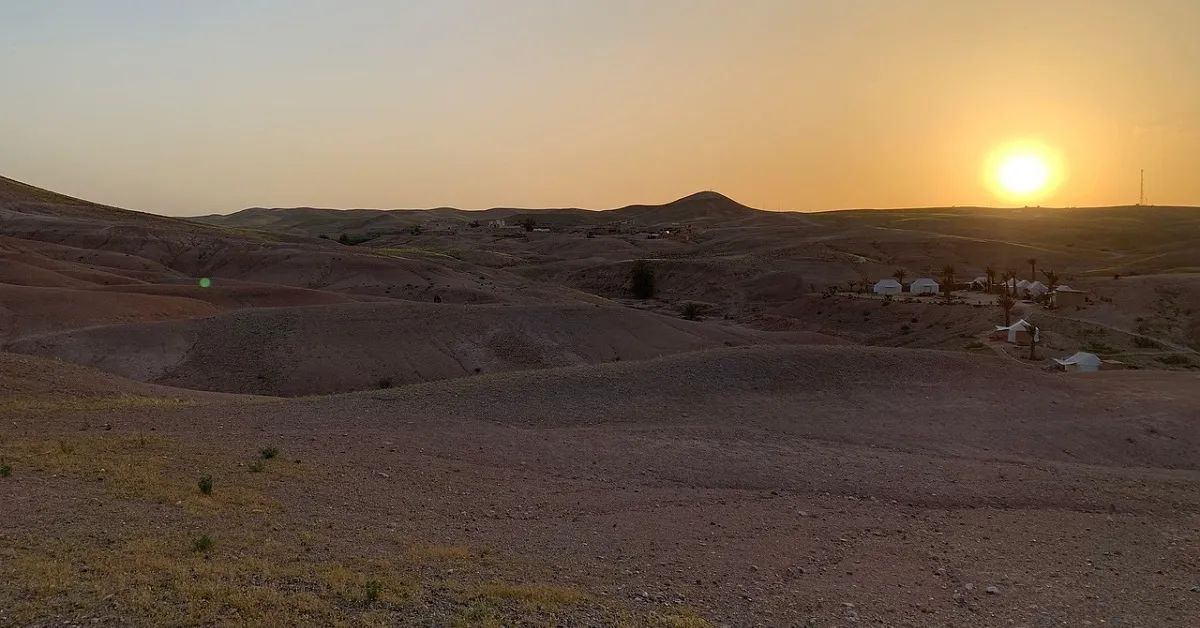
(888, 286)
(1036, 289)
(1019, 333)
(1081, 362)
(1066, 296)
(979, 282)
(924, 285)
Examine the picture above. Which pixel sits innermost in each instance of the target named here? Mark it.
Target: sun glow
(1023, 171)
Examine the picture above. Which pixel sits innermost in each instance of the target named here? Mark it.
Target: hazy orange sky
(204, 107)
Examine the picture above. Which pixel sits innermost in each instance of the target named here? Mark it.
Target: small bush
(1175, 360)
(256, 466)
(373, 589)
(974, 346)
(385, 383)
(641, 280)
(691, 311)
(206, 484)
(269, 452)
(5, 469)
(1143, 342)
(1099, 348)
(66, 447)
(202, 543)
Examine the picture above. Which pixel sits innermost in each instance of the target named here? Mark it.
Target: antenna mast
(1142, 196)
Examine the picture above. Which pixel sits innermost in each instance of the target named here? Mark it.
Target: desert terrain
(313, 417)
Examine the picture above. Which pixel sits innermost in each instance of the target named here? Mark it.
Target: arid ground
(311, 417)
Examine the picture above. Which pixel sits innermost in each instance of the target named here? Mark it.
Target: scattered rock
(992, 590)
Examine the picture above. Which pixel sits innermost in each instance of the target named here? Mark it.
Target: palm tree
(947, 279)
(900, 274)
(1051, 279)
(991, 277)
(1010, 281)
(1006, 303)
(1032, 268)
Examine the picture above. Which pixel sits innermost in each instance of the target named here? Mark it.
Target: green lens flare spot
(205, 282)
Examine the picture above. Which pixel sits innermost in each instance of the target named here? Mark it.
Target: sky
(188, 108)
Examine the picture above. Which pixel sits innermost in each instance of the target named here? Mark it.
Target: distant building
(1066, 296)
(924, 285)
(888, 286)
(1036, 289)
(496, 224)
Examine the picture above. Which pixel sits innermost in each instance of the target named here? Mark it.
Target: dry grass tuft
(143, 468)
(165, 582)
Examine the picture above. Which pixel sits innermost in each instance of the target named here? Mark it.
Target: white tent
(1064, 288)
(1081, 361)
(1036, 289)
(888, 286)
(982, 282)
(1021, 326)
(924, 285)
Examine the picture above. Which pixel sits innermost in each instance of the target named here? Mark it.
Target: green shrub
(641, 280)
(1175, 360)
(5, 469)
(206, 484)
(256, 466)
(691, 311)
(1143, 342)
(269, 452)
(1099, 348)
(202, 543)
(373, 589)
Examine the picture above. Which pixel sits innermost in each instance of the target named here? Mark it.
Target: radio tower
(1142, 195)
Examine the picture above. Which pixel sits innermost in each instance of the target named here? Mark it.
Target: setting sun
(1023, 171)
(1023, 175)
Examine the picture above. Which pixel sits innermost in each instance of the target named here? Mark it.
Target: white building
(1081, 362)
(924, 285)
(888, 286)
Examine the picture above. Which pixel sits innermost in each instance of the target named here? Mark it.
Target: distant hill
(700, 207)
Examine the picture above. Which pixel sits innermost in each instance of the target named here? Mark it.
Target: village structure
(1022, 333)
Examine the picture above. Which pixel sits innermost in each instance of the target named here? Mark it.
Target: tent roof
(925, 281)
(1066, 289)
(1024, 283)
(886, 282)
(1080, 358)
(1037, 284)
